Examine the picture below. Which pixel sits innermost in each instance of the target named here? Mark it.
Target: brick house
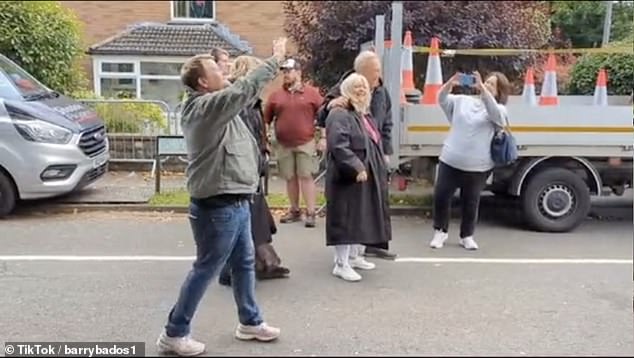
(138, 46)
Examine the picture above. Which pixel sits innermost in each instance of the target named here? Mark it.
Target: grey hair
(364, 57)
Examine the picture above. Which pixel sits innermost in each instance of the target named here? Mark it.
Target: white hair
(361, 105)
(364, 57)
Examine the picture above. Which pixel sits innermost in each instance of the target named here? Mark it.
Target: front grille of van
(93, 141)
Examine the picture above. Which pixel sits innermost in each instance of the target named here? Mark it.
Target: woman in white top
(465, 160)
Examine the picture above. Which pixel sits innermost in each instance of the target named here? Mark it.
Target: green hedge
(620, 68)
(126, 117)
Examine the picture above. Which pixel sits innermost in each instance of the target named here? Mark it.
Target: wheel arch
(534, 165)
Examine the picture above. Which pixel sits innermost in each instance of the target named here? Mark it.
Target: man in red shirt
(293, 110)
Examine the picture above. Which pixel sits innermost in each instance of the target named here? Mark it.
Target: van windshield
(16, 83)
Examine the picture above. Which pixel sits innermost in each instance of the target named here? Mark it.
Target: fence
(133, 125)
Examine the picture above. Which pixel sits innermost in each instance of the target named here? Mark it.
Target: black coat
(356, 212)
(380, 108)
(262, 222)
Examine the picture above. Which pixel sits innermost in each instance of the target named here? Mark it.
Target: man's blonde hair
(361, 105)
(242, 65)
(193, 69)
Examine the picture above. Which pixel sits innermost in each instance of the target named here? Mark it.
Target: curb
(101, 207)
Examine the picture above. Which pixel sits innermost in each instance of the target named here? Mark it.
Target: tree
(619, 67)
(44, 38)
(329, 33)
(582, 21)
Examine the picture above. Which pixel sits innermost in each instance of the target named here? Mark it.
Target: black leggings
(471, 185)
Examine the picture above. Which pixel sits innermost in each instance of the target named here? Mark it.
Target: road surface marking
(512, 260)
(400, 260)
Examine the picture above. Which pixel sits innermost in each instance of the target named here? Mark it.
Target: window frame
(136, 75)
(192, 19)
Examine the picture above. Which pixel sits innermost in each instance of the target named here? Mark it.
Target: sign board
(170, 145)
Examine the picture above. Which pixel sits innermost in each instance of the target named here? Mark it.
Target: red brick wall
(258, 22)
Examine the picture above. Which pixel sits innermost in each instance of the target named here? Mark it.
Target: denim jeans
(222, 235)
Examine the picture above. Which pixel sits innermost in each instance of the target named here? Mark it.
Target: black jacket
(253, 118)
(380, 108)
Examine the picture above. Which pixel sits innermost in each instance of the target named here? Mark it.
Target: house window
(193, 10)
(152, 79)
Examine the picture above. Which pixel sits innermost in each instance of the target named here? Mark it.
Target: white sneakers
(440, 237)
(469, 243)
(181, 346)
(188, 347)
(346, 272)
(360, 263)
(262, 333)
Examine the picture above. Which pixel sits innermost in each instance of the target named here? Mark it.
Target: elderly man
(222, 177)
(367, 64)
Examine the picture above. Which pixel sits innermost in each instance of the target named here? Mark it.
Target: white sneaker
(439, 239)
(182, 346)
(262, 332)
(469, 243)
(346, 272)
(360, 263)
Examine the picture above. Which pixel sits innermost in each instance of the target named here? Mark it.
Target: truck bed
(564, 130)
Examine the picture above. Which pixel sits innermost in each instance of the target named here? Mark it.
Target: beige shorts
(298, 161)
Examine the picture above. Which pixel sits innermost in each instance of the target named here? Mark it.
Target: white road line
(511, 261)
(433, 260)
(93, 258)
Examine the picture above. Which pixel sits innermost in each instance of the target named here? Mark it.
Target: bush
(137, 118)
(620, 69)
(45, 39)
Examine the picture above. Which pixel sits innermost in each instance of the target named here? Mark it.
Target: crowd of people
(225, 124)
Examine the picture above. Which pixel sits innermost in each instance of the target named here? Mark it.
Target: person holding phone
(357, 211)
(465, 159)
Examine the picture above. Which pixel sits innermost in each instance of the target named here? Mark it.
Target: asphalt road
(426, 303)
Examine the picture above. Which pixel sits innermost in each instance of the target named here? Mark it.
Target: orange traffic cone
(548, 96)
(601, 90)
(433, 77)
(528, 94)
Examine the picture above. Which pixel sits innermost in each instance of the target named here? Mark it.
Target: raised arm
(338, 138)
(222, 106)
(496, 112)
(446, 100)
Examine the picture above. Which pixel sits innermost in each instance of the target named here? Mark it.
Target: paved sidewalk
(138, 188)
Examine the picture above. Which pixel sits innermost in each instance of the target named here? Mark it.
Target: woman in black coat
(357, 211)
(267, 262)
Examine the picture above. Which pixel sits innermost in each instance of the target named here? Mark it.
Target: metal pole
(379, 35)
(607, 23)
(394, 84)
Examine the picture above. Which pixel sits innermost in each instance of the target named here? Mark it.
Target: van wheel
(555, 200)
(8, 195)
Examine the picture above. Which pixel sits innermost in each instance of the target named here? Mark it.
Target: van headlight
(43, 132)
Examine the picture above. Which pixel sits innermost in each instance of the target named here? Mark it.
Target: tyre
(555, 200)
(8, 196)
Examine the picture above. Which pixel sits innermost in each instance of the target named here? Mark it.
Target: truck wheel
(555, 200)
(8, 195)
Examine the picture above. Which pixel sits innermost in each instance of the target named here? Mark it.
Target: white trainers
(182, 346)
(439, 239)
(346, 272)
(261, 332)
(469, 243)
(360, 263)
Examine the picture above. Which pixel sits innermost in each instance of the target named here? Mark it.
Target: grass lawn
(181, 198)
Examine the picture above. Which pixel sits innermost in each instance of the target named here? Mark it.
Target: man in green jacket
(222, 176)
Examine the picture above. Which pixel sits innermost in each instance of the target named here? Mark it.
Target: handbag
(504, 147)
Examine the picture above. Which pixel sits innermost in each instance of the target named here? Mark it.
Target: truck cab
(50, 145)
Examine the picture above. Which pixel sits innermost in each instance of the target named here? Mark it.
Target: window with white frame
(201, 10)
(150, 79)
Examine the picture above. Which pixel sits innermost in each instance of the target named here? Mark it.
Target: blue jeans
(222, 235)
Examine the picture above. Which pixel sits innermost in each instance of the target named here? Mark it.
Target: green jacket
(221, 150)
